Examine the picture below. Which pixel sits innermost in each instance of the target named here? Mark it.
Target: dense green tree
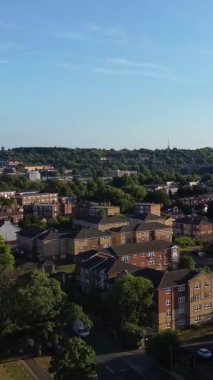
(7, 260)
(187, 262)
(158, 197)
(76, 361)
(130, 300)
(32, 302)
(164, 347)
(73, 312)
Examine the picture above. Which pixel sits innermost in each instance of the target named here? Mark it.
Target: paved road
(37, 370)
(130, 365)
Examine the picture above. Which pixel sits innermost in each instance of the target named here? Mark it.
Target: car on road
(204, 353)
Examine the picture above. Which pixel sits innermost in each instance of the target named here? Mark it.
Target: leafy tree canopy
(130, 300)
(76, 361)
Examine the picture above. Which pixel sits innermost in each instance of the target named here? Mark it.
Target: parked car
(204, 353)
(80, 329)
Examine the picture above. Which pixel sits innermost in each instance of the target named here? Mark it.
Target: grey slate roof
(162, 280)
(105, 220)
(193, 220)
(107, 262)
(134, 248)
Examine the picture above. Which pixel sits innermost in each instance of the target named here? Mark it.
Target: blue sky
(106, 73)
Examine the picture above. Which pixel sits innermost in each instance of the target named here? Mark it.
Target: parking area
(203, 368)
(134, 366)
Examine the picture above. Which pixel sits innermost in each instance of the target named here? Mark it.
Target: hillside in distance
(103, 159)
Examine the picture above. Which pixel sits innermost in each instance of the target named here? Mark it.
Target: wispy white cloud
(7, 25)
(63, 65)
(129, 63)
(95, 32)
(146, 73)
(74, 36)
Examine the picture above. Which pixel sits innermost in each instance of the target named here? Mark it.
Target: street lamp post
(171, 362)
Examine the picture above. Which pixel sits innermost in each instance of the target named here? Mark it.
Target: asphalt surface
(132, 365)
(203, 369)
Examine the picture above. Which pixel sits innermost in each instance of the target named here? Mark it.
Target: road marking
(109, 369)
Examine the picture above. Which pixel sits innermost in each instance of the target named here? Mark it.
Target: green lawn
(203, 333)
(69, 268)
(15, 370)
(44, 362)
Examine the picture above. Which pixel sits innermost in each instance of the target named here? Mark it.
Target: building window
(207, 305)
(197, 319)
(197, 307)
(168, 302)
(181, 310)
(196, 297)
(168, 313)
(125, 259)
(181, 322)
(168, 290)
(181, 299)
(168, 325)
(207, 283)
(197, 285)
(181, 288)
(151, 254)
(151, 262)
(207, 295)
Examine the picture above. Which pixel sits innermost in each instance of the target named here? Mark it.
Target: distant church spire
(168, 147)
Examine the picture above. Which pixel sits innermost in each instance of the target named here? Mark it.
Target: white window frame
(197, 308)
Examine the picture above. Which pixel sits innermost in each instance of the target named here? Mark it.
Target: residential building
(108, 210)
(137, 232)
(65, 206)
(147, 208)
(42, 210)
(10, 213)
(101, 223)
(7, 194)
(181, 298)
(156, 254)
(8, 232)
(121, 173)
(34, 175)
(193, 226)
(57, 245)
(99, 269)
(27, 198)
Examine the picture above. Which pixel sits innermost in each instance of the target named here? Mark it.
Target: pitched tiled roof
(147, 216)
(152, 226)
(134, 248)
(88, 233)
(103, 260)
(194, 220)
(53, 235)
(105, 220)
(31, 233)
(139, 226)
(163, 280)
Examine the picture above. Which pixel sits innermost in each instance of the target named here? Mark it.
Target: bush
(132, 335)
(185, 241)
